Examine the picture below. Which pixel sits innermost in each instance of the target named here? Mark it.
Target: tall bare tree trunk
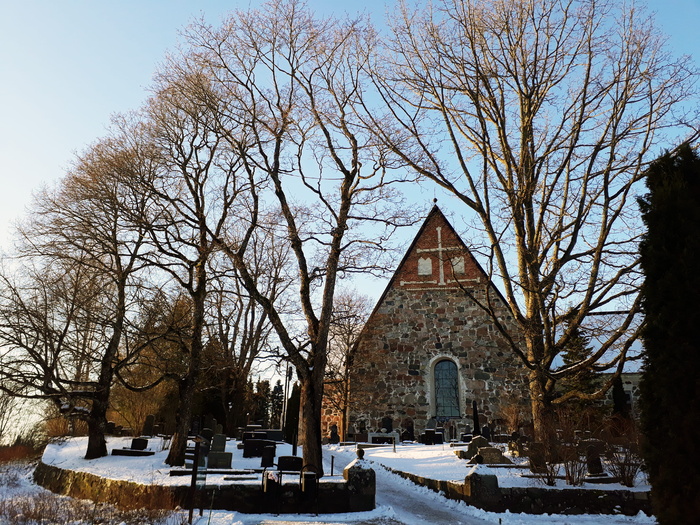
(310, 420)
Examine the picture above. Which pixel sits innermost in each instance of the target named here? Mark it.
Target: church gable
(437, 258)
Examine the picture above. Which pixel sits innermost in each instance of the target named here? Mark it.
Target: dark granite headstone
(148, 425)
(290, 463)
(207, 433)
(486, 432)
(409, 433)
(267, 459)
(475, 416)
(139, 444)
(335, 437)
(537, 453)
(593, 462)
(218, 443)
(387, 424)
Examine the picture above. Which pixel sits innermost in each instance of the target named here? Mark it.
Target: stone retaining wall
(482, 491)
(333, 496)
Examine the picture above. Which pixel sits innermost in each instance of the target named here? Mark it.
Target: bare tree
(349, 316)
(196, 192)
(541, 117)
(87, 256)
(287, 86)
(239, 332)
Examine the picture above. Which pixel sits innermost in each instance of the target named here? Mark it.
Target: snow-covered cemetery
(434, 268)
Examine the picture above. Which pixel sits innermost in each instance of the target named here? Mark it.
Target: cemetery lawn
(399, 502)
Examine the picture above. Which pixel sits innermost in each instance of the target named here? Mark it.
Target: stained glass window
(446, 389)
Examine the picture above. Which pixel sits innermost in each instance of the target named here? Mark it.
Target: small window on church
(446, 389)
(425, 266)
(458, 265)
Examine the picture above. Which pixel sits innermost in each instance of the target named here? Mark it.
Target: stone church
(428, 350)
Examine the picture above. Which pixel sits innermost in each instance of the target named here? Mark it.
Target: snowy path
(406, 503)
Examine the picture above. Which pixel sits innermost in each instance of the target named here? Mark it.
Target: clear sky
(67, 65)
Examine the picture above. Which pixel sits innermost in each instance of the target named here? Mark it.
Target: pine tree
(579, 349)
(669, 390)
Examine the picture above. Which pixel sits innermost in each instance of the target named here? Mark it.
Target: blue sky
(67, 65)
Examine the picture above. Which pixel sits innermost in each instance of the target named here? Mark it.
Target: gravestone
(453, 433)
(537, 454)
(387, 424)
(110, 427)
(475, 444)
(218, 428)
(335, 437)
(517, 447)
(218, 443)
(493, 456)
(475, 416)
(139, 444)
(409, 433)
(486, 432)
(290, 463)
(207, 433)
(157, 430)
(148, 425)
(593, 462)
(267, 459)
(219, 459)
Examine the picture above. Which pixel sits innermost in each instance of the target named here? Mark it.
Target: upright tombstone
(409, 433)
(148, 425)
(537, 454)
(387, 424)
(207, 433)
(218, 443)
(335, 437)
(594, 463)
(475, 416)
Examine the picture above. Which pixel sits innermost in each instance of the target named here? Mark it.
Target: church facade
(428, 350)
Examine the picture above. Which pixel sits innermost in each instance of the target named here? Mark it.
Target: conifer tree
(579, 349)
(669, 391)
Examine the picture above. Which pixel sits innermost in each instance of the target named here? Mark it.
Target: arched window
(446, 389)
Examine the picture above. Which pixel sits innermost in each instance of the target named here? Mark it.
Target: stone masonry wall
(410, 332)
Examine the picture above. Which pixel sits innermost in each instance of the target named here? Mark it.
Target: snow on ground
(441, 463)
(399, 502)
